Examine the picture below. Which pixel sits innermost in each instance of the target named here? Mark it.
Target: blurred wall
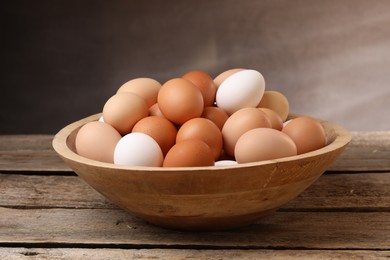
(62, 59)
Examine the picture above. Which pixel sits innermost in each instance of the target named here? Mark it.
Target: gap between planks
(176, 254)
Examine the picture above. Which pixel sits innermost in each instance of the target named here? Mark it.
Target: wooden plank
(362, 192)
(48, 191)
(354, 192)
(368, 151)
(176, 254)
(282, 230)
(29, 153)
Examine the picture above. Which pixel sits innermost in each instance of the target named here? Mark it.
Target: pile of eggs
(195, 120)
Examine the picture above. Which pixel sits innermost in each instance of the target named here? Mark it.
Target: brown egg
(189, 153)
(146, 88)
(275, 119)
(160, 129)
(307, 134)
(204, 130)
(204, 83)
(97, 140)
(277, 102)
(180, 100)
(263, 144)
(154, 110)
(224, 75)
(215, 114)
(240, 122)
(123, 110)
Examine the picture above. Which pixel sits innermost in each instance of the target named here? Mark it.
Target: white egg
(138, 149)
(225, 163)
(242, 89)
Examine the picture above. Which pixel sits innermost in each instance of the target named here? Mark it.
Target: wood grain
(182, 254)
(29, 153)
(109, 227)
(347, 192)
(368, 151)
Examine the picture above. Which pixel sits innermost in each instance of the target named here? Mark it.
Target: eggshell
(146, 88)
(97, 140)
(307, 133)
(263, 144)
(216, 115)
(242, 89)
(123, 110)
(224, 75)
(160, 129)
(154, 110)
(240, 122)
(180, 100)
(189, 153)
(138, 149)
(204, 130)
(277, 102)
(275, 119)
(204, 83)
(225, 163)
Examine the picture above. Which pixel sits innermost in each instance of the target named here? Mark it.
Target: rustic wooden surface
(47, 212)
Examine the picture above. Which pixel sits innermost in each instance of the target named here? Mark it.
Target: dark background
(62, 59)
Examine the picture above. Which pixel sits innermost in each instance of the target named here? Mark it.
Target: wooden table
(47, 212)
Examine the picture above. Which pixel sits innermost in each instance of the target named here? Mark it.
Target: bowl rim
(59, 143)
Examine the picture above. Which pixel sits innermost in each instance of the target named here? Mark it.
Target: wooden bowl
(203, 198)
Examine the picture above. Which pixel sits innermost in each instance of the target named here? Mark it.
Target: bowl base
(201, 223)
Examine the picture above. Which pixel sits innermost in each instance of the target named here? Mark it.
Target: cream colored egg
(277, 102)
(263, 144)
(123, 110)
(146, 88)
(97, 140)
(240, 122)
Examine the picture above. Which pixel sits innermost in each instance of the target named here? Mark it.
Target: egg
(275, 101)
(224, 75)
(240, 122)
(146, 88)
(154, 110)
(138, 149)
(307, 134)
(216, 115)
(204, 130)
(189, 153)
(286, 122)
(263, 144)
(160, 129)
(275, 119)
(123, 110)
(225, 163)
(97, 140)
(204, 83)
(242, 89)
(180, 100)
